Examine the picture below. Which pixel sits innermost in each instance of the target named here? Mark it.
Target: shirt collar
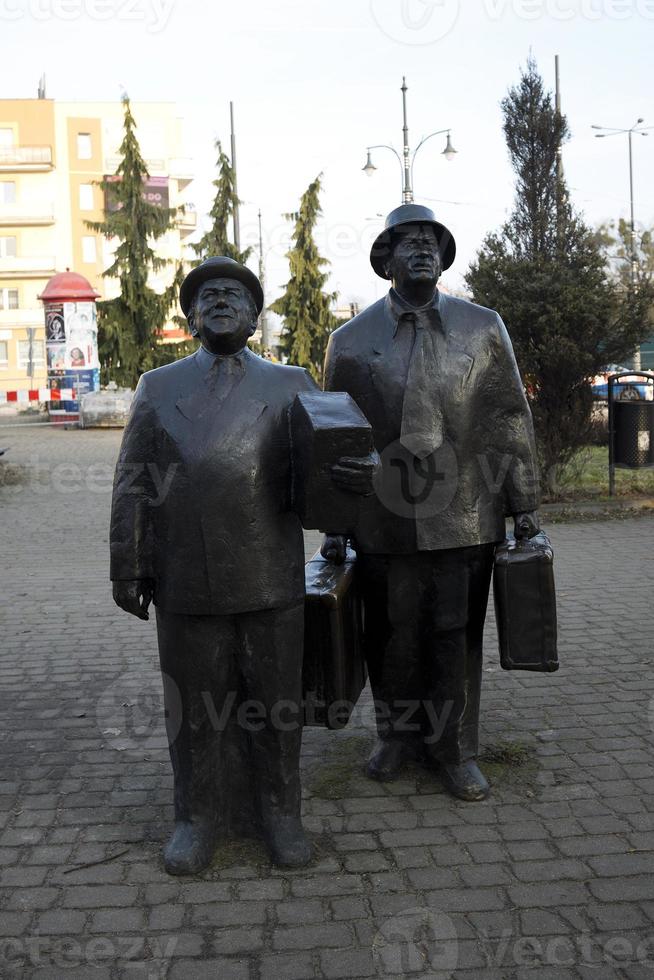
(206, 360)
(401, 310)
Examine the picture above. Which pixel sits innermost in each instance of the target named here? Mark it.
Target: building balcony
(19, 319)
(187, 222)
(27, 267)
(31, 213)
(181, 170)
(156, 167)
(17, 159)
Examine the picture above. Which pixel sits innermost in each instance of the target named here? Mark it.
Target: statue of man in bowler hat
(437, 379)
(221, 555)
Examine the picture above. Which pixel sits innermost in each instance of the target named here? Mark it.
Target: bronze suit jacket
(201, 499)
(486, 468)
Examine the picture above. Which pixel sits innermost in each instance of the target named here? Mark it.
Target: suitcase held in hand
(334, 670)
(525, 604)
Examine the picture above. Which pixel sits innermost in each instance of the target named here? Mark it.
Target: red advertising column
(71, 340)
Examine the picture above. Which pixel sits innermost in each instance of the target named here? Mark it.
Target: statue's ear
(190, 319)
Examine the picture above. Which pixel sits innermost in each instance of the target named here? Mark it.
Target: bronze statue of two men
(221, 555)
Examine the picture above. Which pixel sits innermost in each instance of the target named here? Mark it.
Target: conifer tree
(216, 240)
(545, 272)
(129, 326)
(304, 307)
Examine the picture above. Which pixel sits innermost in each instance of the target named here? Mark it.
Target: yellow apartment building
(51, 155)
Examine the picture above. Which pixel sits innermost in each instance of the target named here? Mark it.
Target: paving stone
(334, 934)
(349, 908)
(326, 886)
(225, 969)
(294, 966)
(547, 894)
(118, 921)
(238, 940)
(97, 897)
(229, 913)
(347, 963)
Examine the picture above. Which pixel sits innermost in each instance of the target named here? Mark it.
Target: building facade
(52, 154)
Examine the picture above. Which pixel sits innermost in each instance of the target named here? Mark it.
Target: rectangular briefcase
(334, 670)
(325, 426)
(525, 604)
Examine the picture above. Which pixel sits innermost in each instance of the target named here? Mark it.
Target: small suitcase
(334, 671)
(525, 604)
(326, 425)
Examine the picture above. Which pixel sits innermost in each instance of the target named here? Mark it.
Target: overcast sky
(315, 81)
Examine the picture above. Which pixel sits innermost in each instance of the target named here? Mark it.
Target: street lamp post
(407, 159)
(613, 131)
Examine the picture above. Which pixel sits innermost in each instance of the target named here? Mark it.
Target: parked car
(630, 388)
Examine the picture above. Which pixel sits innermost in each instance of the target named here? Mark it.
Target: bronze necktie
(422, 416)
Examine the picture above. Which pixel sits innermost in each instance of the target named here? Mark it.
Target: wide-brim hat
(218, 267)
(410, 214)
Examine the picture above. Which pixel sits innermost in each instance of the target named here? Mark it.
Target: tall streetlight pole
(237, 225)
(642, 131)
(263, 320)
(407, 159)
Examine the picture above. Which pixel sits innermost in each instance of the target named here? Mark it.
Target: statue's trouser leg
(198, 660)
(424, 618)
(270, 662)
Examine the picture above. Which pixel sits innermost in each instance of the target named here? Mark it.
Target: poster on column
(81, 329)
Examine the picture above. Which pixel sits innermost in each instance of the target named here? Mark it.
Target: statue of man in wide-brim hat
(437, 379)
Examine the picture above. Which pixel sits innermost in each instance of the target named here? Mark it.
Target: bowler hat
(218, 267)
(410, 214)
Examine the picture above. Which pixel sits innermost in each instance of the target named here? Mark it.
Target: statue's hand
(334, 548)
(134, 596)
(526, 524)
(356, 474)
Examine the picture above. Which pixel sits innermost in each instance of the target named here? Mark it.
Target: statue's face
(223, 315)
(415, 260)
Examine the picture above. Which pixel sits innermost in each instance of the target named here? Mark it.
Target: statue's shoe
(189, 850)
(287, 842)
(388, 757)
(464, 780)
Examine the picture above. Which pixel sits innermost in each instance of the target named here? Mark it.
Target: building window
(84, 148)
(6, 137)
(8, 299)
(7, 246)
(4, 353)
(86, 197)
(88, 248)
(7, 192)
(38, 354)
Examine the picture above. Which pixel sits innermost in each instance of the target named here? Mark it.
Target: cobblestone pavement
(551, 877)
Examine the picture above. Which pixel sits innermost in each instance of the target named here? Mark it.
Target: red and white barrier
(38, 395)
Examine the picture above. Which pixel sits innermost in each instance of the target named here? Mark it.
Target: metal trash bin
(633, 426)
